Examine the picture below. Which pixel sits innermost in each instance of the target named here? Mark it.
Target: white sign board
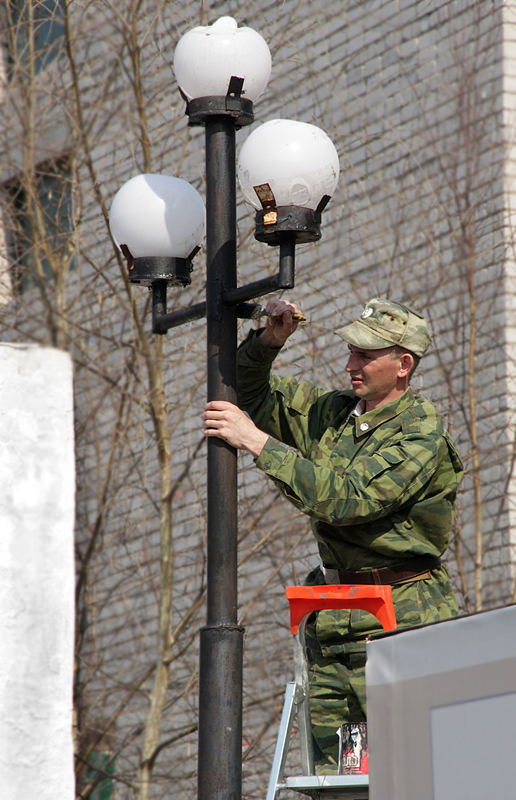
(442, 710)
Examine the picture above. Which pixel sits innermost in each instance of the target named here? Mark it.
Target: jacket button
(267, 465)
(364, 426)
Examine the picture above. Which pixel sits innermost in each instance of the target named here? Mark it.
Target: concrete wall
(37, 474)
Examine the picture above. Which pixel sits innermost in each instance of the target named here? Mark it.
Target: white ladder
(303, 601)
(297, 701)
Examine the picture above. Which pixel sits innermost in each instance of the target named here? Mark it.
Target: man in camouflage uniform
(377, 473)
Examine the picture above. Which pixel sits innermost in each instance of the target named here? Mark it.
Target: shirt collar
(368, 420)
(359, 408)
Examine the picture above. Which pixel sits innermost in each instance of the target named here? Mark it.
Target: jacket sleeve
(291, 410)
(372, 487)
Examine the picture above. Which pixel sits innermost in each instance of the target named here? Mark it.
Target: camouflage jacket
(379, 487)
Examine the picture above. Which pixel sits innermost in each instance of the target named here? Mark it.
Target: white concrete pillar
(37, 484)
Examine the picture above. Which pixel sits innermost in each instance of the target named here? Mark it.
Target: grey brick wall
(418, 97)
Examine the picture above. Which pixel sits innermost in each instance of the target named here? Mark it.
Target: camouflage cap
(384, 323)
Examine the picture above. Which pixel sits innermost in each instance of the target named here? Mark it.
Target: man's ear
(406, 364)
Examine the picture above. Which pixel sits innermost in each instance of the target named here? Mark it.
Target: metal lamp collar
(149, 269)
(201, 109)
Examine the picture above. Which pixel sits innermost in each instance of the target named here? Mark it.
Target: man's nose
(351, 366)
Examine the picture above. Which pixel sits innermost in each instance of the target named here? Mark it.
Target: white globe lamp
(222, 68)
(158, 222)
(289, 165)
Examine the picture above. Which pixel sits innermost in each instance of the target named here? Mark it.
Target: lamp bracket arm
(161, 323)
(259, 288)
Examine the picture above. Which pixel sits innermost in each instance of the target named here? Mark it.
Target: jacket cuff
(256, 352)
(272, 457)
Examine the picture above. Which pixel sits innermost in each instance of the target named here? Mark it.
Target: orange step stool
(377, 600)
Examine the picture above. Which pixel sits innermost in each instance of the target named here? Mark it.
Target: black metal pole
(287, 259)
(221, 656)
(159, 304)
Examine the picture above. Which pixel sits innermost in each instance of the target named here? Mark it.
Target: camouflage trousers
(337, 695)
(336, 651)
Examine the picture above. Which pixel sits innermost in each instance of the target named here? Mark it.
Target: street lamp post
(215, 67)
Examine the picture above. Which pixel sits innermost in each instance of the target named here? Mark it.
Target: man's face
(375, 375)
